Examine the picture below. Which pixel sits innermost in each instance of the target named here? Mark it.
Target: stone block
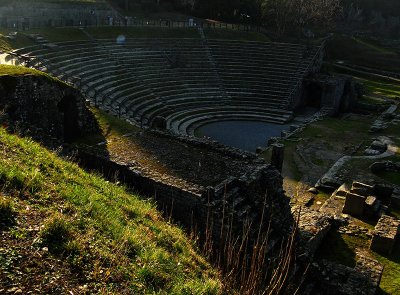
(371, 268)
(361, 189)
(278, 152)
(272, 140)
(385, 234)
(370, 201)
(313, 227)
(372, 206)
(378, 146)
(395, 201)
(342, 191)
(390, 113)
(383, 166)
(354, 204)
(383, 191)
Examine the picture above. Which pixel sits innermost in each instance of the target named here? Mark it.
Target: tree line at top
(283, 15)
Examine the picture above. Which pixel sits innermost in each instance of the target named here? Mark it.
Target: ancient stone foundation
(334, 94)
(255, 198)
(338, 279)
(44, 108)
(385, 235)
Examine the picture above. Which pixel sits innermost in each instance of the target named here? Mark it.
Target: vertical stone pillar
(278, 151)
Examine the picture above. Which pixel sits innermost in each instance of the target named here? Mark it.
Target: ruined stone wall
(235, 201)
(42, 107)
(338, 93)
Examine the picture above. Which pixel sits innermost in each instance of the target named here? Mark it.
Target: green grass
(321, 197)
(393, 177)
(341, 248)
(110, 126)
(56, 234)
(142, 32)
(59, 34)
(7, 212)
(395, 213)
(363, 53)
(113, 124)
(235, 35)
(20, 41)
(375, 86)
(387, 89)
(51, 34)
(352, 131)
(391, 273)
(6, 70)
(102, 225)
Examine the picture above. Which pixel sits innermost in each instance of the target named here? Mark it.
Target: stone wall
(338, 94)
(329, 278)
(44, 108)
(234, 201)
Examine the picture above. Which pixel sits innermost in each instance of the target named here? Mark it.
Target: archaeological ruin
(138, 109)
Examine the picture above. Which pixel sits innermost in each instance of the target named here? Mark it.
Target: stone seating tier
(182, 80)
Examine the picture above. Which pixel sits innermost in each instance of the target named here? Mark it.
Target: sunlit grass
(391, 90)
(341, 248)
(20, 70)
(142, 249)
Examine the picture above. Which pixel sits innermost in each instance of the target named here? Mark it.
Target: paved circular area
(246, 135)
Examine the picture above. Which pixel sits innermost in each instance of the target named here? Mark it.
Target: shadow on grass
(381, 292)
(336, 249)
(390, 283)
(395, 255)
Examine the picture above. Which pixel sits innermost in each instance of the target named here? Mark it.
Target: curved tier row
(186, 81)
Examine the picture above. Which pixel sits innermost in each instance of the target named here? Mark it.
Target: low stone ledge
(354, 204)
(371, 268)
(385, 234)
(336, 279)
(313, 227)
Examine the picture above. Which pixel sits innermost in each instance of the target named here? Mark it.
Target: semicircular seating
(187, 81)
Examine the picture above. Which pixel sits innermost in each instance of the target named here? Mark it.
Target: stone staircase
(226, 97)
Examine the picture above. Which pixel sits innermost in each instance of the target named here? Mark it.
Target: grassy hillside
(64, 230)
(363, 53)
(19, 70)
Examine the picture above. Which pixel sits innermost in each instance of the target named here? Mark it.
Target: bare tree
(289, 14)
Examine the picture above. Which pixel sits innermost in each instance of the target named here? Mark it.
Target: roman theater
(273, 149)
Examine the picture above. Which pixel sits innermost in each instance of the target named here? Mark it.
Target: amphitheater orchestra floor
(246, 135)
